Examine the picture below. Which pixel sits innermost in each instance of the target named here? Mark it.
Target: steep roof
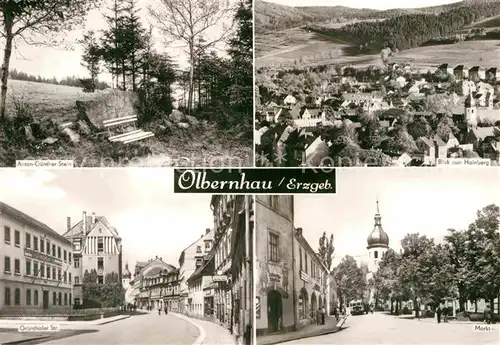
(78, 229)
(4, 208)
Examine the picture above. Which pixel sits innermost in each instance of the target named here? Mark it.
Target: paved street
(138, 330)
(385, 329)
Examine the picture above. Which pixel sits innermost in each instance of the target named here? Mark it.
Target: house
(431, 149)
(446, 69)
(460, 72)
(308, 117)
(493, 74)
(477, 74)
(403, 160)
(289, 100)
(452, 141)
(477, 135)
(490, 148)
(316, 152)
(314, 102)
(464, 87)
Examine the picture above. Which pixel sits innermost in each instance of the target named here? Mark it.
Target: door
(45, 300)
(274, 311)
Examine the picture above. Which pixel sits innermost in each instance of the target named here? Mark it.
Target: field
(198, 145)
(300, 48)
(488, 23)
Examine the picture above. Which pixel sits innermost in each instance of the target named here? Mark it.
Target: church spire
(378, 237)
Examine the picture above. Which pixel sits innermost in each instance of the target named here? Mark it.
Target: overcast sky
(61, 62)
(428, 201)
(379, 5)
(139, 202)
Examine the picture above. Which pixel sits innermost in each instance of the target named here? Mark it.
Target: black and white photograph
(377, 83)
(114, 257)
(117, 83)
(412, 257)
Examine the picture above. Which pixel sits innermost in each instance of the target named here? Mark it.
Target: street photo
(412, 257)
(377, 83)
(118, 258)
(127, 83)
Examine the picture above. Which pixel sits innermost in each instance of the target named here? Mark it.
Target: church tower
(470, 111)
(126, 276)
(378, 243)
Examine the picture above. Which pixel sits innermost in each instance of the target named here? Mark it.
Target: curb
(105, 323)
(25, 340)
(298, 337)
(203, 334)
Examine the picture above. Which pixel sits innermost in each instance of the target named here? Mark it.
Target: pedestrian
(487, 315)
(336, 313)
(166, 310)
(323, 315)
(371, 308)
(438, 313)
(159, 310)
(318, 316)
(445, 314)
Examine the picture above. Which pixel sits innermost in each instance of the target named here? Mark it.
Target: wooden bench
(126, 137)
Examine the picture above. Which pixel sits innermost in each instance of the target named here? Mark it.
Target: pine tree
(92, 54)
(134, 40)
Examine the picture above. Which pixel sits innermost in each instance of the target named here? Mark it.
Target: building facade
(172, 297)
(37, 267)
(222, 208)
(242, 269)
(200, 302)
(192, 258)
(96, 247)
(274, 233)
(311, 283)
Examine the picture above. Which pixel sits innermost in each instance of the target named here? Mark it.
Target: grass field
(196, 146)
(488, 23)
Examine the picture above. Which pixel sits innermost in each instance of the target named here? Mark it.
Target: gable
(100, 229)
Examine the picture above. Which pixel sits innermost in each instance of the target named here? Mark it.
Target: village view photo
(360, 83)
(407, 259)
(150, 267)
(118, 83)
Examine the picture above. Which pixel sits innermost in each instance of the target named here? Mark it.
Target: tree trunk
(475, 306)
(133, 72)
(124, 76)
(191, 77)
(392, 306)
(7, 52)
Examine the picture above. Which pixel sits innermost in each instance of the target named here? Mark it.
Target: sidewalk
(434, 320)
(313, 330)
(212, 334)
(63, 325)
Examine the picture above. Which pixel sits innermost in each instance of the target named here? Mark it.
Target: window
(6, 265)
(35, 269)
(54, 298)
(69, 278)
(17, 238)
(35, 298)
(273, 247)
(274, 201)
(199, 262)
(100, 245)
(65, 254)
(17, 266)
(54, 250)
(305, 260)
(198, 249)
(69, 257)
(65, 298)
(42, 245)
(59, 275)
(100, 280)
(58, 252)
(28, 267)
(42, 270)
(48, 272)
(207, 245)
(375, 255)
(35, 243)
(65, 277)
(77, 245)
(28, 297)
(6, 234)
(60, 298)
(54, 273)
(77, 263)
(28, 241)
(70, 298)
(77, 280)
(7, 296)
(48, 247)
(17, 296)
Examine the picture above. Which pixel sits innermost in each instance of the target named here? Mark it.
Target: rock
(28, 134)
(168, 124)
(177, 116)
(162, 128)
(192, 120)
(49, 140)
(66, 125)
(84, 128)
(183, 125)
(74, 137)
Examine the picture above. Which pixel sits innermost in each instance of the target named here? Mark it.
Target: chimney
(207, 231)
(299, 231)
(84, 220)
(68, 223)
(156, 257)
(93, 217)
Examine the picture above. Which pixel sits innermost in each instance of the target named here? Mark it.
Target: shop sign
(304, 276)
(219, 278)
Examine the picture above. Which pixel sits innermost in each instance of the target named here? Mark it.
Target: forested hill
(272, 17)
(410, 31)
